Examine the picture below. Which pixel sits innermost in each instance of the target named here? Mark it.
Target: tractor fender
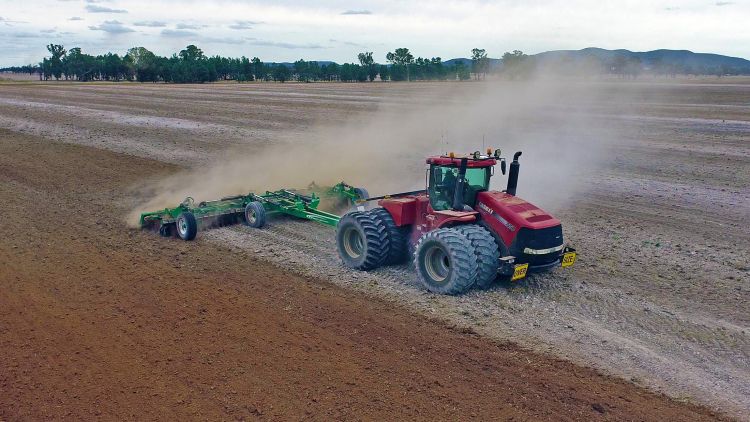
(452, 218)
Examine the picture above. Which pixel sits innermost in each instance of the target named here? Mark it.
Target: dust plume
(563, 139)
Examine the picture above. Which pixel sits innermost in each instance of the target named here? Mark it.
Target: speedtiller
(186, 219)
(459, 233)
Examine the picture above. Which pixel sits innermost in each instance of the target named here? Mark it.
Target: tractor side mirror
(502, 166)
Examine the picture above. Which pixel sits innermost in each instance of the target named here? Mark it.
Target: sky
(287, 30)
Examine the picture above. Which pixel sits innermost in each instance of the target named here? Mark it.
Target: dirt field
(100, 319)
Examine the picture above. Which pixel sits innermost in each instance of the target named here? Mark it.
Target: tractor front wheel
(255, 214)
(487, 253)
(187, 226)
(362, 241)
(446, 262)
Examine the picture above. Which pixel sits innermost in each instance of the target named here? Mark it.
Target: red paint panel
(506, 214)
(471, 163)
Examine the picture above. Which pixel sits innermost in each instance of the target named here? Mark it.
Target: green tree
(400, 57)
(144, 63)
(461, 71)
(384, 71)
(368, 63)
(55, 65)
(516, 64)
(281, 73)
(480, 62)
(192, 53)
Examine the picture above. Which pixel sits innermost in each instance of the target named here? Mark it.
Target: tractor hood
(508, 214)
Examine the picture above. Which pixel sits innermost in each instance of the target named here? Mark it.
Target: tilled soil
(659, 296)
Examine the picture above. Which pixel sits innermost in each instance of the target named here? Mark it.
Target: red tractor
(459, 232)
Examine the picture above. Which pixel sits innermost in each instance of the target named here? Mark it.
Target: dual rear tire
(448, 260)
(453, 260)
(362, 240)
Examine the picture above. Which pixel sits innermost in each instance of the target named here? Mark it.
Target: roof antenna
(483, 142)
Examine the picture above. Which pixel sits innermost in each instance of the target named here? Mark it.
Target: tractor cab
(454, 182)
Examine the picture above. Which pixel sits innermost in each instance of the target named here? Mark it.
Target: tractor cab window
(443, 181)
(477, 180)
(442, 187)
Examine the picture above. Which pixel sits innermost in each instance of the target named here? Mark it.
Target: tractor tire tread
(464, 272)
(376, 239)
(487, 253)
(260, 214)
(398, 250)
(191, 226)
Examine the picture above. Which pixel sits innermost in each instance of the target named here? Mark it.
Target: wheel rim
(437, 264)
(353, 242)
(251, 217)
(182, 226)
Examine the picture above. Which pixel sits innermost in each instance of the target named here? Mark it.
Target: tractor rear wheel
(446, 262)
(487, 253)
(397, 250)
(187, 226)
(362, 241)
(255, 214)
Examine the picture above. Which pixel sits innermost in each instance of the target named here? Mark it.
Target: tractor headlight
(497, 153)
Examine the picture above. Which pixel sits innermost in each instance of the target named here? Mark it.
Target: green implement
(186, 219)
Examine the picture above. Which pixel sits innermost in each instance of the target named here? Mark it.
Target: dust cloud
(559, 125)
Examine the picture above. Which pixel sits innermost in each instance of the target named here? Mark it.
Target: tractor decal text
(497, 217)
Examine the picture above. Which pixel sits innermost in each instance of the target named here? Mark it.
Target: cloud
(724, 3)
(357, 12)
(27, 35)
(92, 8)
(47, 31)
(150, 24)
(8, 22)
(244, 25)
(111, 27)
(178, 33)
(353, 44)
(189, 26)
(264, 43)
(226, 40)
(76, 18)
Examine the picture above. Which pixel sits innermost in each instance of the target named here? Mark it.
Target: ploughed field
(97, 318)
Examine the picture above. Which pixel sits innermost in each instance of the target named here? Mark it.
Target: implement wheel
(446, 262)
(187, 227)
(362, 241)
(397, 250)
(486, 251)
(255, 214)
(166, 230)
(362, 193)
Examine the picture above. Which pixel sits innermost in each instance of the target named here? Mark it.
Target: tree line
(191, 65)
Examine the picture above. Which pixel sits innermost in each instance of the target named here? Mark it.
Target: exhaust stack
(513, 175)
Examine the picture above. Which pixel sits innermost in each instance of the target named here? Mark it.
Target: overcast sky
(288, 30)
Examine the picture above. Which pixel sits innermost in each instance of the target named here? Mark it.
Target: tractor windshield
(443, 185)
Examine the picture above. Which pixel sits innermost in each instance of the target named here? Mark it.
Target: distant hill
(682, 59)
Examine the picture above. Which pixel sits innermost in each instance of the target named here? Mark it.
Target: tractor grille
(537, 239)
